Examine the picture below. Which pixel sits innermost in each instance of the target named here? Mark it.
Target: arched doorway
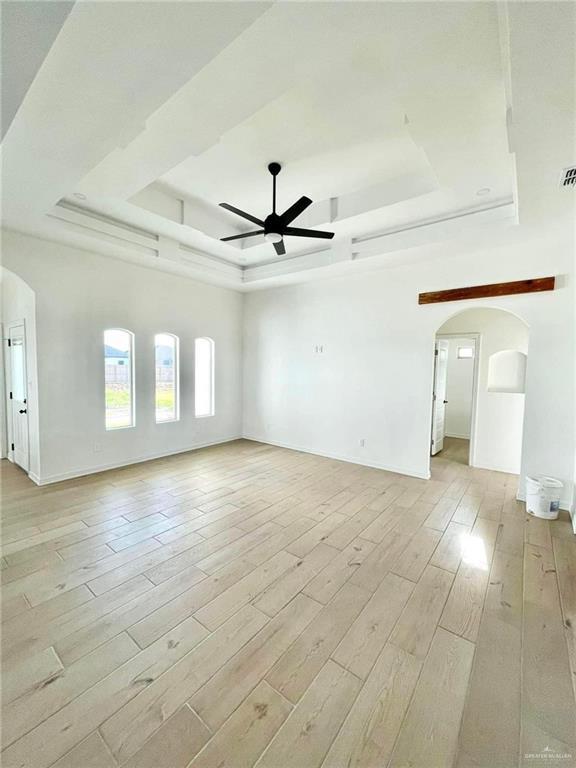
(19, 395)
(479, 385)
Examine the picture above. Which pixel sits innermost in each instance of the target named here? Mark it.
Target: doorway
(17, 396)
(479, 381)
(453, 406)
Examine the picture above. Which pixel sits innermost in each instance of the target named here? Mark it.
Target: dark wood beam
(485, 291)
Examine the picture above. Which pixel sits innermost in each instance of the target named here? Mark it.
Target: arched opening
(479, 385)
(19, 380)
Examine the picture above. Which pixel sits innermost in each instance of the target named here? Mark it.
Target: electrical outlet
(362, 443)
(97, 447)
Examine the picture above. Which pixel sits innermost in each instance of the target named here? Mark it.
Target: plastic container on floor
(543, 496)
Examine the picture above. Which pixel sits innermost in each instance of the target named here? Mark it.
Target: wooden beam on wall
(485, 291)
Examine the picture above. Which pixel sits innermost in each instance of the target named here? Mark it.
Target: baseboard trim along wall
(505, 471)
(49, 479)
(409, 472)
(460, 437)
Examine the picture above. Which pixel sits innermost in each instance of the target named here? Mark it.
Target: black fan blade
(244, 215)
(244, 234)
(279, 248)
(295, 210)
(297, 232)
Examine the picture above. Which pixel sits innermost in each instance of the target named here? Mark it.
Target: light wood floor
(247, 605)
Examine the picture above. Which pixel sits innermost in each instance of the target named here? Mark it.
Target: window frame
(131, 378)
(176, 416)
(212, 382)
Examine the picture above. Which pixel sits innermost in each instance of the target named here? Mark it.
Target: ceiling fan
(276, 226)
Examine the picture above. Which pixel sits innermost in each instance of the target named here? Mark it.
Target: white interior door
(439, 395)
(18, 396)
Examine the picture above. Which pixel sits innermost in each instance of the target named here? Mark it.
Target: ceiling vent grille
(568, 178)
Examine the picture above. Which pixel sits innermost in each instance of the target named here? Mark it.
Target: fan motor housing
(273, 223)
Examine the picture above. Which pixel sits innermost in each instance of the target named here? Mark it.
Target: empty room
(288, 384)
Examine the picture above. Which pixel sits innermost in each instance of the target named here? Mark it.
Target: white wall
(374, 380)
(19, 304)
(78, 295)
(499, 416)
(459, 381)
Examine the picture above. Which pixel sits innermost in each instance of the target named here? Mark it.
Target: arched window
(166, 349)
(119, 378)
(204, 377)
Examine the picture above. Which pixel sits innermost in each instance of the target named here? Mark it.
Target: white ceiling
(144, 116)
(28, 31)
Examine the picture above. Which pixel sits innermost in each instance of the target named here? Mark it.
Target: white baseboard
(83, 472)
(409, 472)
(505, 470)
(460, 437)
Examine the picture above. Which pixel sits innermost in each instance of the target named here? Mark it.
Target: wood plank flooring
(245, 605)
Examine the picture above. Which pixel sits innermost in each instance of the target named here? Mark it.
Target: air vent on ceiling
(568, 178)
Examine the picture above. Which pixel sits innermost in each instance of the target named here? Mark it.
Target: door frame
(477, 338)
(8, 388)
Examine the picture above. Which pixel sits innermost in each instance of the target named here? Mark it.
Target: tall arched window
(204, 377)
(167, 385)
(119, 378)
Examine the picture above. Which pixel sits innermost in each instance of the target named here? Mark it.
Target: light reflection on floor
(473, 551)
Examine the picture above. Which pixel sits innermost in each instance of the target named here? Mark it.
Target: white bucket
(543, 496)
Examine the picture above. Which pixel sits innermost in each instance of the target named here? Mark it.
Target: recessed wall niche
(507, 372)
